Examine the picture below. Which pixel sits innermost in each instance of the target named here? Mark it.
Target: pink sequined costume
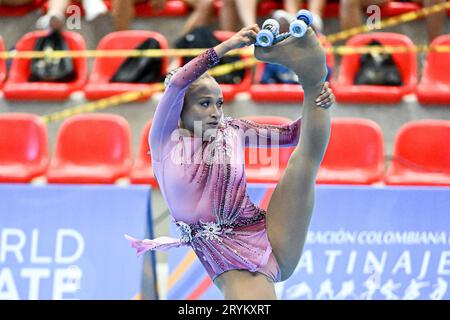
(204, 184)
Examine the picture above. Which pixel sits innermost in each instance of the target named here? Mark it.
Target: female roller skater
(198, 159)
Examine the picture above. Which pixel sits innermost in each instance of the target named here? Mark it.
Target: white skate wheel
(272, 25)
(298, 28)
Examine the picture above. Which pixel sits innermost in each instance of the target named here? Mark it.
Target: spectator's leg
(228, 16)
(123, 13)
(350, 14)
(247, 11)
(351, 11)
(201, 15)
(58, 6)
(316, 7)
(94, 8)
(55, 16)
(435, 22)
(292, 6)
(15, 3)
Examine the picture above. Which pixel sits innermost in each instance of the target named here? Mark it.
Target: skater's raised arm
(245, 37)
(286, 135)
(168, 111)
(266, 135)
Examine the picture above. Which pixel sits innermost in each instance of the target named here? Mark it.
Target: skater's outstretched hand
(245, 37)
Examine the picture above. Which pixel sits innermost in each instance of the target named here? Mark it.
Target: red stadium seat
(347, 92)
(17, 11)
(104, 68)
(91, 148)
(281, 92)
(2, 64)
(276, 92)
(434, 87)
(266, 7)
(355, 153)
(18, 87)
(395, 8)
(172, 8)
(267, 168)
(23, 147)
(142, 171)
(421, 154)
(331, 10)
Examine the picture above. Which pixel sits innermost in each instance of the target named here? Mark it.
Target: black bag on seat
(140, 69)
(52, 69)
(378, 69)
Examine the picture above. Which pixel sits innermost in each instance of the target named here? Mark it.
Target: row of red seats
(355, 154)
(434, 87)
(96, 148)
(177, 8)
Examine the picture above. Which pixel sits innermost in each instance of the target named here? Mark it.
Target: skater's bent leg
(290, 208)
(245, 285)
(292, 203)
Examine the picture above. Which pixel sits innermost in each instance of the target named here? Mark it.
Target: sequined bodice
(204, 184)
(204, 181)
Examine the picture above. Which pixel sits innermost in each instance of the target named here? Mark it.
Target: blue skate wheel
(298, 28)
(306, 16)
(265, 38)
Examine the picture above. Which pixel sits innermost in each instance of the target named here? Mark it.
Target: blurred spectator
(317, 7)
(236, 14)
(123, 12)
(14, 3)
(351, 14)
(55, 17)
(202, 14)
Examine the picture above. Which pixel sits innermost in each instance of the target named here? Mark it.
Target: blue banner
(363, 243)
(66, 242)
